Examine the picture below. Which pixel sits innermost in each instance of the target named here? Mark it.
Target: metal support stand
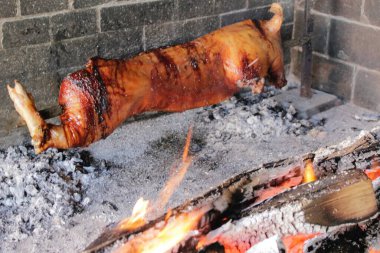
(307, 52)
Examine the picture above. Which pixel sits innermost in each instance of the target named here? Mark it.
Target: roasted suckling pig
(205, 71)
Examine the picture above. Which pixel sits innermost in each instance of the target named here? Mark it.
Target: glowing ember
(137, 218)
(273, 191)
(295, 243)
(176, 230)
(309, 174)
(372, 250)
(374, 172)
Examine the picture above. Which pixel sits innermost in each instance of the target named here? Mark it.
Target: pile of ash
(38, 192)
(255, 116)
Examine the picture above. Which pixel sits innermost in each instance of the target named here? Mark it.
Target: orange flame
(309, 174)
(137, 218)
(169, 234)
(176, 178)
(373, 250)
(187, 145)
(295, 243)
(374, 172)
(175, 231)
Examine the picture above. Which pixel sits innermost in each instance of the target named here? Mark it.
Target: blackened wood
(238, 188)
(243, 183)
(307, 209)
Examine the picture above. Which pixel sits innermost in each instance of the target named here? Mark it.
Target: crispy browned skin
(202, 72)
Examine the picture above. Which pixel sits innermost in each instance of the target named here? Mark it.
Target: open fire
(245, 211)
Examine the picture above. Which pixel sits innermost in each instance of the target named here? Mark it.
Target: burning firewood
(310, 208)
(202, 72)
(333, 201)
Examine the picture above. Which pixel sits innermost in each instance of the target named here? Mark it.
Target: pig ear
(274, 24)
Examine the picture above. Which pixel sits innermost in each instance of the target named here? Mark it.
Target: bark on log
(317, 207)
(241, 186)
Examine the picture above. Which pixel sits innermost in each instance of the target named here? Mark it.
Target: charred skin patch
(46, 136)
(94, 88)
(192, 55)
(167, 62)
(94, 100)
(257, 24)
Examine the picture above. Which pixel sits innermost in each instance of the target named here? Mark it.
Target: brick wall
(346, 49)
(43, 40)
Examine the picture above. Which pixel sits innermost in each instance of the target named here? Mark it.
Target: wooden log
(318, 207)
(240, 187)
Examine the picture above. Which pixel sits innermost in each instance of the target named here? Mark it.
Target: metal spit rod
(307, 52)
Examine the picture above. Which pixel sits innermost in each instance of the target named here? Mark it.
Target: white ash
(248, 231)
(247, 116)
(40, 192)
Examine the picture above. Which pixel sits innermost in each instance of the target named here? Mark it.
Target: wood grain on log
(241, 185)
(306, 209)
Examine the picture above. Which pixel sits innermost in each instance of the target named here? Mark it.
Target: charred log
(237, 197)
(318, 207)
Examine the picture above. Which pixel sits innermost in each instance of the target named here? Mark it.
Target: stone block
(195, 8)
(26, 32)
(228, 5)
(136, 14)
(355, 43)
(367, 89)
(73, 24)
(8, 8)
(29, 7)
(328, 75)
(88, 3)
(121, 43)
(179, 32)
(75, 52)
(320, 33)
(371, 12)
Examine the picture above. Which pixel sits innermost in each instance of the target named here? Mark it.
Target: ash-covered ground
(38, 192)
(61, 201)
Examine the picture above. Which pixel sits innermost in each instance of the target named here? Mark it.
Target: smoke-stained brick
(8, 8)
(367, 89)
(40, 6)
(346, 8)
(288, 9)
(136, 14)
(319, 36)
(120, 44)
(88, 3)
(25, 32)
(228, 5)
(179, 32)
(355, 43)
(371, 12)
(258, 3)
(40, 59)
(286, 34)
(75, 52)
(328, 75)
(260, 13)
(44, 88)
(195, 8)
(73, 24)
(12, 62)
